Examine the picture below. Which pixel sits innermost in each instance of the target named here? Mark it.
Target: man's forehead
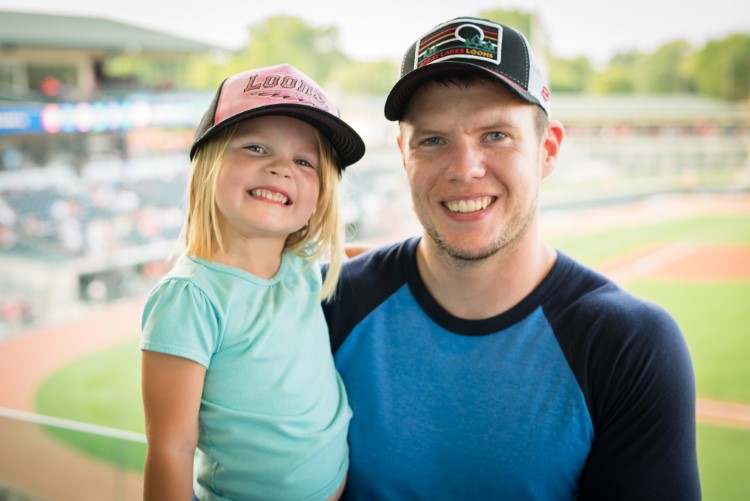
(450, 94)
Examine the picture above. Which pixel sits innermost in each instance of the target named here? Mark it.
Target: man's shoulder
(379, 271)
(385, 252)
(381, 262)
(593, 303)
(366, 282)
(579, 285)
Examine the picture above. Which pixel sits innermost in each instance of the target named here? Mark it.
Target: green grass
(594, 248)
(722, 452)
(102, 389)
(713, 315)
(723, 456)
(715, 320)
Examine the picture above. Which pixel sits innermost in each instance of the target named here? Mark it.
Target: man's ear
(551, 147)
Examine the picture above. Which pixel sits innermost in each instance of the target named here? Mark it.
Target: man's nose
(467, 162)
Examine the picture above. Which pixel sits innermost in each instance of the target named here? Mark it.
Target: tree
(287, 39)
(376, 77)
(518, 19)
(722, 68)
(207, 72)
(618, 77)
(569, 75)
(275, 40)
(665, 70)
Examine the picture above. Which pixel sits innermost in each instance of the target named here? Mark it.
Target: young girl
(241, 396)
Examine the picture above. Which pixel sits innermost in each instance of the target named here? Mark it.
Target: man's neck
(486, 288)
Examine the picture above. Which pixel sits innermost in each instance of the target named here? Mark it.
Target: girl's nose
(281, 168)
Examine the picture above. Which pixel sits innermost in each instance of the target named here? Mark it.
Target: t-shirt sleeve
(178, 319)
(645, 417)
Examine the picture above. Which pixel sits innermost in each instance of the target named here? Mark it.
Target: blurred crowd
(90, 218)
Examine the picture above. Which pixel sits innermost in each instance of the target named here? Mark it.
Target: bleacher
(68, 240)
(91, 217)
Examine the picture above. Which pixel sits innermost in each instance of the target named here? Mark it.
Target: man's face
(474, 160)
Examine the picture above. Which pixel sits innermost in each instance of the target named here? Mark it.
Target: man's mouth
(270, 195)
(470, 205)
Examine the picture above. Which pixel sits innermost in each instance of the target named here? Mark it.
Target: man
(480, 363)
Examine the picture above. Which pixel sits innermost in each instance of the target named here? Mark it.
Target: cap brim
(402, 92)
(345, 140)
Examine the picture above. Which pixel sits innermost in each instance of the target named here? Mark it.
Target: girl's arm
(172, 388)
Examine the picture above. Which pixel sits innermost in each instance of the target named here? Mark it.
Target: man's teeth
(469, 205)
(270, 195)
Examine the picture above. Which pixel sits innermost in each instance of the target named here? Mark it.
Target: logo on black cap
(460, 38)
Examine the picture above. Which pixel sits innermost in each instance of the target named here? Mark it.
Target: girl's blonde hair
(321, 239)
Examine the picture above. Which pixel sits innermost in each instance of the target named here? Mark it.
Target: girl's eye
(304, 163)
(495, 136)
(255, 148)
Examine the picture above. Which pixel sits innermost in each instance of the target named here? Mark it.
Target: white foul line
(649, 263)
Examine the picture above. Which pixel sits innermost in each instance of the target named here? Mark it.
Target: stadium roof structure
(55, 31)
(646, 109)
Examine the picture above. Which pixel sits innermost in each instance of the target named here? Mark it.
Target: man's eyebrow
(430, 131)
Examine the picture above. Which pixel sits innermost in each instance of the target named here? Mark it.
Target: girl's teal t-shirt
(274, 414)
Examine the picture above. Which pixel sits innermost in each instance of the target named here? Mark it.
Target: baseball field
(689, 253)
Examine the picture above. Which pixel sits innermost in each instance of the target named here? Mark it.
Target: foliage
(569, 75)
(665, 70)
(285, 39)
(314, 50)
(124, 71)
(374, 77)
(521, 20)
(720, 69)
(616, 79)
(206, 72)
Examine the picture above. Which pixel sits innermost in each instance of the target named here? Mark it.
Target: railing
(53, 459)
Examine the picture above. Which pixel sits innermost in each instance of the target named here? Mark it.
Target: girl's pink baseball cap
(279, 90)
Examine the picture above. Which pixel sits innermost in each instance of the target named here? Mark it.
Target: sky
(380, 29)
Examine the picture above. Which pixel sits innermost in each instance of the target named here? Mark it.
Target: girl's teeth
(276, 197)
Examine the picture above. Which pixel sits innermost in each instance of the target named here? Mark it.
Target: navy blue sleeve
(634, 368)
